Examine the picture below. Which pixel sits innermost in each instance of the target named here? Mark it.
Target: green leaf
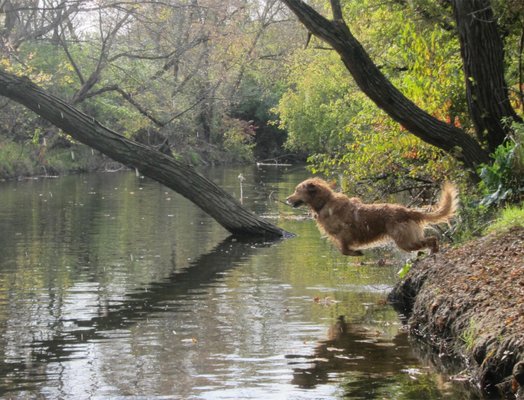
(404, 270)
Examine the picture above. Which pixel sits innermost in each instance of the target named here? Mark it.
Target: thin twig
(272, 198)
(521, 79)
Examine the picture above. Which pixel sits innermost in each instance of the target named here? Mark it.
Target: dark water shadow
(351, 347)
(450, 365)
(133, 308)
(371, 365)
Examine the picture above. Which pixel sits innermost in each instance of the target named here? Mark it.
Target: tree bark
(381, 91)
(483, 55)
(178, 176)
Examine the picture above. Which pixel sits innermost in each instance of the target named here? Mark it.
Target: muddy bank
(468, 303)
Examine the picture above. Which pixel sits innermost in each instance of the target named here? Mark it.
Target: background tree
(371, 77)
(198, 79)
(166, 73)
(483, 59)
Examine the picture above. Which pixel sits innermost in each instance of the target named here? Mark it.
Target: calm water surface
(112, 286)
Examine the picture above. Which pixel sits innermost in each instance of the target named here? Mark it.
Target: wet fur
(354, 225)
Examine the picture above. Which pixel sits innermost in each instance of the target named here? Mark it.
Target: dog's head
(309, 192)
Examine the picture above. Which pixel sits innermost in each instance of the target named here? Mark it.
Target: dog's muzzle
(294, 204)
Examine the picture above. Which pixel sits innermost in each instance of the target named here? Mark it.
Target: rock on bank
(469, 302)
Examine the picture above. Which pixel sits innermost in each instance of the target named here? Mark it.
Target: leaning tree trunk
(178, 176)
(382, 92)
(483, 56)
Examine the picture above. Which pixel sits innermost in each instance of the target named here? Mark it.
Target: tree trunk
(380, 90)
(483, 55)
(178, 176)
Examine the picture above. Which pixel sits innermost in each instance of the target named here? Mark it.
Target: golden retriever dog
(353, 225)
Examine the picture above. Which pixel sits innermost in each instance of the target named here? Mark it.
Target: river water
(112, 286)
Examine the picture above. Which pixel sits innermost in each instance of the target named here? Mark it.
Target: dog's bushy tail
(446, 207)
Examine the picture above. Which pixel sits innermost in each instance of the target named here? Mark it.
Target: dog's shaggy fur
(353, 225)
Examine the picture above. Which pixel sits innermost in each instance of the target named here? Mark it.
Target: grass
(509, 217)
(469, 335)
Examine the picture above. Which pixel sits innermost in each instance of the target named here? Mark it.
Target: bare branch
(107, 42)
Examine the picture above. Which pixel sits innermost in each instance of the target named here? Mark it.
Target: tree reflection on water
(370, 363)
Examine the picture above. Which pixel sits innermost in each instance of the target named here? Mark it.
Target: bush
(15, 160)
(238, 140)
(503, 180)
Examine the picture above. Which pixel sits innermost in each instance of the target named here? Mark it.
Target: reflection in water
(350, 347)
(137, 305)
(113, 286)
(373, 361)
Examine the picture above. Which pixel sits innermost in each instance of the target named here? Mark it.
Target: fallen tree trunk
(180, 177)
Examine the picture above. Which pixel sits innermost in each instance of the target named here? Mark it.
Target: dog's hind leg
(409, 236)
(430, 242)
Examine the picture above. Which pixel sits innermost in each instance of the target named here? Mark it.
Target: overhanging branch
(381, 91)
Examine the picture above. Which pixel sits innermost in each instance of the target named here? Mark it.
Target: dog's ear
(311, 187)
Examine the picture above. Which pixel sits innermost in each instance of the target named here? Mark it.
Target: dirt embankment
(468, 302)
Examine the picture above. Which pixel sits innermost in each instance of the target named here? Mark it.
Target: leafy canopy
(415, 46)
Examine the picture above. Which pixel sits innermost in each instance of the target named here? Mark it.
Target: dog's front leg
(347, 251)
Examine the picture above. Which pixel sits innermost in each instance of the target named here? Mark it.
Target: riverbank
(25, 160)
(467, 303)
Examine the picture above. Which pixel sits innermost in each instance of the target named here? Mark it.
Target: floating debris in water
(326, 301)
